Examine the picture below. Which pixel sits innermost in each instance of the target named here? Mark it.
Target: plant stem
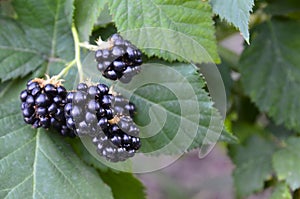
(66, 69)
(77, 53)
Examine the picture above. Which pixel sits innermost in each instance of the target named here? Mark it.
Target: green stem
(77, 52)
(65, 70)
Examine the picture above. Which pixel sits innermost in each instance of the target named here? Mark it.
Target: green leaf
(171, 121)
(287, 163)
(281, 191)
(17, 58)
(40, 164)
(176, 29)
(235, 12)
(253, 164)
(270, 70)
(40, 35)
(123, 185)
(85, 15)
(104, 18)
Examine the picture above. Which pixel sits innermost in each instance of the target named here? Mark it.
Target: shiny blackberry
(88, 109)
(121, 60)
(119, 141)
(123, 106)
(90, 112)
(43, 104)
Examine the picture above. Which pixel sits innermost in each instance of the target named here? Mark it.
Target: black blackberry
(121, 60)
(123, 106)
(43, 104)
(90, 112)
(116, 145)
(88, 108)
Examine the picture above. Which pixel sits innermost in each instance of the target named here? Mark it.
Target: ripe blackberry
(116, 145)
(121, 60)
(89, 111)
(88, 108)
(43, 105)
(123, 106)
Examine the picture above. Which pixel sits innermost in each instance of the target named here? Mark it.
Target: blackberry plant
(43, 103)
(120, 59)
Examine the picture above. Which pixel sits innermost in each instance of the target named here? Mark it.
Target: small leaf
(39, 164)
(281, 191)
(85, 15)
(287, 163)
(169, 24)
(123, 185)
(236, 12)
(253, 164)
(270, 70)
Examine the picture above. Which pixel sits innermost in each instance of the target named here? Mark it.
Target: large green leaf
(167, 24)
(123, 185)
(85, 15)
(40, 35)
(253, 164)
(271, 71)
(39, 164)
(236, 12)
(287, 163)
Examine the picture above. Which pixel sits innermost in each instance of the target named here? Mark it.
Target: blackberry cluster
(121, 61)
(43, 105)
(89, 111)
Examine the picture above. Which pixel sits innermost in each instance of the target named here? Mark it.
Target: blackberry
(88, 108)
(89, 112)
(43, 104)
(116, 145)
(121, 60)
(123, 106)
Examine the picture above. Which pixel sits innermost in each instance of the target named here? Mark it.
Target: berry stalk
(77, 52)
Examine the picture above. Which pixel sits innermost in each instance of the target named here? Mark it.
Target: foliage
(42, 37)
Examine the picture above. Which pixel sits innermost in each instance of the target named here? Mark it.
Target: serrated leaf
(41, 34)
(85, 15)
(168, 24)
(172, 121)
(287, 163)
(39, 164)
(123, 185)
(281, 191)
(235, 12)
(270, 70)
(253, 164)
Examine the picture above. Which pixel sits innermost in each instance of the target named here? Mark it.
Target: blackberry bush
(120, 60)
(89, 112)
(43, 104)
